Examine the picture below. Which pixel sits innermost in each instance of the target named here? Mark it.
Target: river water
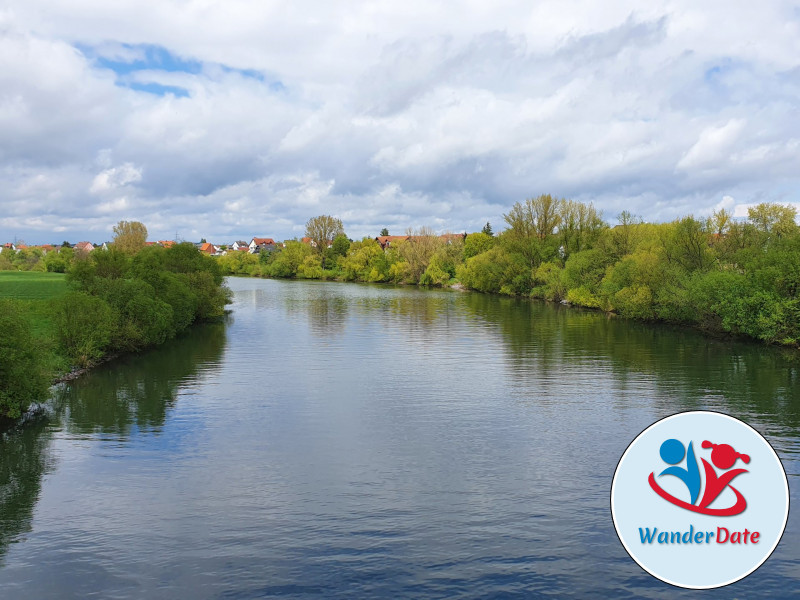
(359, 441)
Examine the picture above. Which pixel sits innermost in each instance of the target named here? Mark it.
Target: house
(209, 249)
(166, 243)
(256, 242)
(386, 241)
(83, 247)
(8, 246)
(238, 245)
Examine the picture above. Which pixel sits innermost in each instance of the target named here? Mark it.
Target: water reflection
(134, 391)
(690, 369)
(140, 390)
(25, 457)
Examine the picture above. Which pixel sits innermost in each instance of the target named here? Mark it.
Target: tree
(720, 222)
(384, 231)
(322, 230)
(23, 378)
(773, 219)
(417, 251)
(477, 243)
(129, 236)
(536, 216)
(487, 229)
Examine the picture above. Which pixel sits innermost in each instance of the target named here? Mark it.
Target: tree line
(120, 300)
(717, 273)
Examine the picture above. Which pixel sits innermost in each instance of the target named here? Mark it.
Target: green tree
(129, 236)
(477, 243)
(23, 378)
(416, 252)
(83, 326)
(384, 231)
(773, 219)
(322, 230)
(487, 229)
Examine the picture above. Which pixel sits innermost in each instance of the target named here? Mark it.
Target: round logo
(699, 500)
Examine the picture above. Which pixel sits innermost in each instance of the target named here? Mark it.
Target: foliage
(416, 252)
(84, 324)
(288, 260)
(129, 236)
(477, 243)
(322, 230)
(23, 378)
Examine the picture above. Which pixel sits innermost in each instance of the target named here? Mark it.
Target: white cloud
(114, 178)
(388, 114)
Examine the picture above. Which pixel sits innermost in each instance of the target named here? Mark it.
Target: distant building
(257, 244)
(83, 247)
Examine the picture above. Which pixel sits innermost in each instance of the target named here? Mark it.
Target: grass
(28, 285)
(32, 291)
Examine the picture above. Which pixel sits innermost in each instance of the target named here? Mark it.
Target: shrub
(83, 325)
(23, 378)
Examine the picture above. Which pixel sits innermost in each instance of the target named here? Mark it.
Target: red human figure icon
(724, 457)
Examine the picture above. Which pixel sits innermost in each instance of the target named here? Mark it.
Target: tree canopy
(130, 236)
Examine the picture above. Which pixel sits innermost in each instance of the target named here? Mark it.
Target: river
(360, 441)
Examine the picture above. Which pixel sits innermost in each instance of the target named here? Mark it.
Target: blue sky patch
(126, 60)
(156, 88)
(149, 57)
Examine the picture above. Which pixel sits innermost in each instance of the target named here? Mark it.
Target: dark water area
(357, 441)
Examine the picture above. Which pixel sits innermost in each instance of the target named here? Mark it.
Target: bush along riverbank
(718, 274)
(116, 301)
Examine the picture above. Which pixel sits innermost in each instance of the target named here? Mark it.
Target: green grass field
(23, 285)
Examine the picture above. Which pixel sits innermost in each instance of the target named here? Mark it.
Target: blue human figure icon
(672, 452)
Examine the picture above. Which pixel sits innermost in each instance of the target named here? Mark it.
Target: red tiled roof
(260, 241)
(207, 248)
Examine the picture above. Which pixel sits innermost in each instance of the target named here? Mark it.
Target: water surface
(346, 440)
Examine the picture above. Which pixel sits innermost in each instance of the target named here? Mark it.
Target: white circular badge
(699, 499)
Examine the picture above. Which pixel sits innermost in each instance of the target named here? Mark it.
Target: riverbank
(110, 303)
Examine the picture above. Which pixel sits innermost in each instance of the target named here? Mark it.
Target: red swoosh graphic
(737, 508)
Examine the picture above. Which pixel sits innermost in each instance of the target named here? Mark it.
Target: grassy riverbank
(109, 302)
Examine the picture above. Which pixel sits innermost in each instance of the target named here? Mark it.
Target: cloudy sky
(231, 119)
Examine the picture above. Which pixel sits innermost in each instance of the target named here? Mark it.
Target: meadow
(31, 285)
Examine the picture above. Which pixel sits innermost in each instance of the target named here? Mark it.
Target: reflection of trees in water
(140, 389)
(695, 370)
(136, 389)
(24, 458)
(325, 309)
(327, 306)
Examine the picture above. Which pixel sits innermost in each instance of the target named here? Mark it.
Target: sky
(228, 120)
